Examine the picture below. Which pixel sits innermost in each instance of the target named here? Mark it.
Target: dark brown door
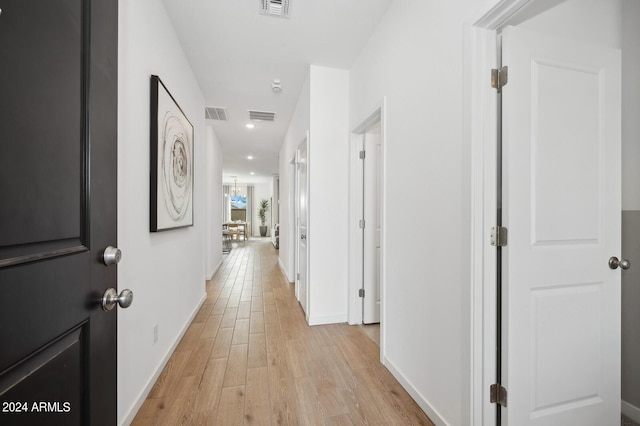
(58, 153)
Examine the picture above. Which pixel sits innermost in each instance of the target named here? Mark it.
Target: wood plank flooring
(250, 358)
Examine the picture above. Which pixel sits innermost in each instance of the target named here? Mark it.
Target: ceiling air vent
(216, 113)
(279, 8)
(262, 115)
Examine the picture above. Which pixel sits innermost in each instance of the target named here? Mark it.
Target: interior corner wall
(213, 199)
(172, 262)
(630, 105)
(295, 134)
(415, 59)
(631, 208)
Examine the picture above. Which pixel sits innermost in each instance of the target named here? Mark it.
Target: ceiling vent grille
(262, 115)
(216, 113)
(279, 8)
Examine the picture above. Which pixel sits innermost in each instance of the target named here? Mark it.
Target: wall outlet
(155, 334)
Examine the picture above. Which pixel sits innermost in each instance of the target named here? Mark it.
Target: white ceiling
(236, 53)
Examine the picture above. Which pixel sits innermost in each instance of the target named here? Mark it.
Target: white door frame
(292, 227)
(480, 131)
(378, 114)
(355, 233)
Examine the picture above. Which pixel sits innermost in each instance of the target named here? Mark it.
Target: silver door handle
(111, 255)
(111, 298)
(303, 237)
(623, 264)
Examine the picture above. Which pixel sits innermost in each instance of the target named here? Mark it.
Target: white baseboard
(210, 276)
(417, 397)
(284, 270)
(329, 319)
(631, 411)
(152, 381)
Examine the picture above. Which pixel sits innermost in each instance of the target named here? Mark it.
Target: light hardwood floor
(250, 358)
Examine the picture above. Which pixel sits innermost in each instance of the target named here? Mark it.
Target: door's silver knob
(111, 298)
(623, 264)
(111, 255)
(303, 237)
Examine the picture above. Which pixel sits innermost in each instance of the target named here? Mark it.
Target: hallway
(249, 358)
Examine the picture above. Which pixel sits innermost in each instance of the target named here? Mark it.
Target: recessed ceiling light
(249, 157)
(252, 173)
(250, 125)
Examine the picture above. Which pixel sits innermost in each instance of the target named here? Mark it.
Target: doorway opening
(366, 222)
(299, 226)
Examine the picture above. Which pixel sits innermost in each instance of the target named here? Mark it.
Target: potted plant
(262, 214)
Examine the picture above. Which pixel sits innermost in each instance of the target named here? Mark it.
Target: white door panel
(371, 210)
(561, 200)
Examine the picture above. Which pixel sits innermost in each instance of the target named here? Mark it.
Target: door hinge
(499, 236)
(361, 292)
(298, 276)
(362, 154)
(362, 223)
(499, 77)
(498, 395)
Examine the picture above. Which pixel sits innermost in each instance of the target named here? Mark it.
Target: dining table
(244, 228)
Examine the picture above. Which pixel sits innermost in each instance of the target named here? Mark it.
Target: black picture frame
(171, 171)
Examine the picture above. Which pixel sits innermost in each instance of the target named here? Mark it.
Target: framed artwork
(171, 162)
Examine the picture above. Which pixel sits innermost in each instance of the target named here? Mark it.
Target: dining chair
(226, 239)
(233, 231)
(242, 230)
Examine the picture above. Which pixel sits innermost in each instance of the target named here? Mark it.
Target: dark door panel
(49, 387)
(42, 120)
(58, 192)
(56, 296)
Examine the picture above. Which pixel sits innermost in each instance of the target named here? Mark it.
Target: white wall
(414, 58)
(213, 200)
(154, 265)
(295, 134)
(322, 109)
(328, 167)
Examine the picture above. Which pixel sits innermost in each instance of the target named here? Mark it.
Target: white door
(293, 223)
(371, 209)
(302, 204)
(561, 200)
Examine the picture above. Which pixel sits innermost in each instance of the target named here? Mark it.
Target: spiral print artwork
(176, 167)
(172, 160)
